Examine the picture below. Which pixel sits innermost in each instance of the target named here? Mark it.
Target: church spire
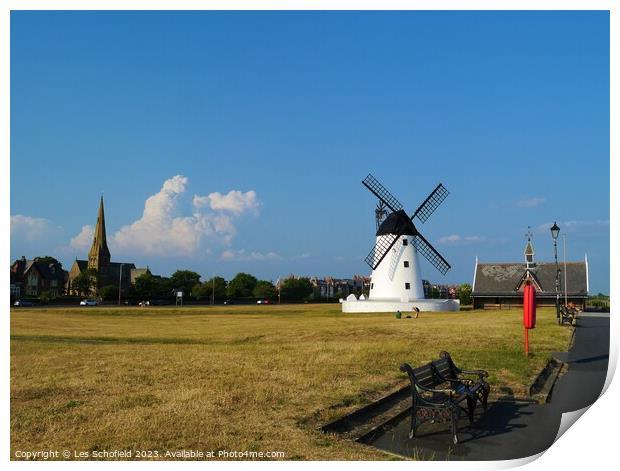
(99, 254)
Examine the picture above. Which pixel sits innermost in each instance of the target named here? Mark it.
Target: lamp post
(555, 231)
(120, 278)
(565, 274)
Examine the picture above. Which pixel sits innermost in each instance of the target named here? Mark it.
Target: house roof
(113, 269)
(47, 271)
(505, 278)
(126, 265)
(82, 264)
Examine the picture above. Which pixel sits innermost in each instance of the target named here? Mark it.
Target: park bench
(440, 391)
(568, 315)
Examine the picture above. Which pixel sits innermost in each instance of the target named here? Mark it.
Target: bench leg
(455, 421)
(485, 395)
(414, 424)
(471, 406)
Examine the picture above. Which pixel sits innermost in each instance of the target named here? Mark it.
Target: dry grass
(257, 378)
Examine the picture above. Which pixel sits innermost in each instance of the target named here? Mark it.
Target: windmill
(394, 258)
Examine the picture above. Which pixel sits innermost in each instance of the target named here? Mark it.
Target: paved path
(512, 429)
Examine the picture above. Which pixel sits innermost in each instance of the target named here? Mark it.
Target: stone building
(108, 273)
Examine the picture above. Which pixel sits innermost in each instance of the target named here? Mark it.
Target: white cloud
(530, 202)
(84, 239)
(241, 255)
(451, 239)
(30, 229)
(234, 201)
(164, 230)
(456, 239)
(574, 225)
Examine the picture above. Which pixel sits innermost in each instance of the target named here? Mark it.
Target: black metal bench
(568, 315)
(439, 390)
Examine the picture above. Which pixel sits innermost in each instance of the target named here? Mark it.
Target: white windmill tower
(394, 258)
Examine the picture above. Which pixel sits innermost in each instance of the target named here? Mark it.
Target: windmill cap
(397, 223)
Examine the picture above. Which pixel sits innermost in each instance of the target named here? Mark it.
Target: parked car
(23, 303)
(229, 301)
(88, 302)
(262, 301)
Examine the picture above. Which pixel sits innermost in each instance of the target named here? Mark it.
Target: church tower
(99, 254)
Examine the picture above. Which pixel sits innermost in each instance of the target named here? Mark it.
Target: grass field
(256, 378)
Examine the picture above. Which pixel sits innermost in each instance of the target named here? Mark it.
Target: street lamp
(555, 231)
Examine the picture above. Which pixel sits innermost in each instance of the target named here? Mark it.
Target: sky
(237, 141)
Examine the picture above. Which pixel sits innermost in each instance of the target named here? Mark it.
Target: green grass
(257, 378)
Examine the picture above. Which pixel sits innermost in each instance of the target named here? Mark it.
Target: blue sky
(245, 135)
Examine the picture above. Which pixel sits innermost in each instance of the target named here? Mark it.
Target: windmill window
(407, 286)
(372, 285)
(405, 242)
(406, 263)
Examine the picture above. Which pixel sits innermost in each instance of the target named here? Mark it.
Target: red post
(527, 342)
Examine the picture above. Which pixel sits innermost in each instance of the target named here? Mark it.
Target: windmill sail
(431, 203)
(382, 193)
(379, 251)
(425, 248)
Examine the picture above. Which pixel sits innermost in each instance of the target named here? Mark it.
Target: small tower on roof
(99, 254)
(529, 251)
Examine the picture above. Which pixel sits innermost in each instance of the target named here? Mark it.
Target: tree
(109, 293)
(148, 286)
(45, 297)
(265, 289)
(184, 280)
(464, 294)
(293, 289)
(241, 286)
(48, 259)
(85, 282)
(206, 290)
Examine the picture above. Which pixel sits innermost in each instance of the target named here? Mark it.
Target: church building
(99, 258)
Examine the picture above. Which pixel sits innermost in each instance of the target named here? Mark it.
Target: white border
(591, 443)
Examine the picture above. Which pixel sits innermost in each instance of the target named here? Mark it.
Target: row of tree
(243, 285)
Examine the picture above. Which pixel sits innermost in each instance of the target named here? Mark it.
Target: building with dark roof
(33, 277)
(500, 285)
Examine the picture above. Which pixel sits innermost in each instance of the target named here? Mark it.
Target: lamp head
(555, 231)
